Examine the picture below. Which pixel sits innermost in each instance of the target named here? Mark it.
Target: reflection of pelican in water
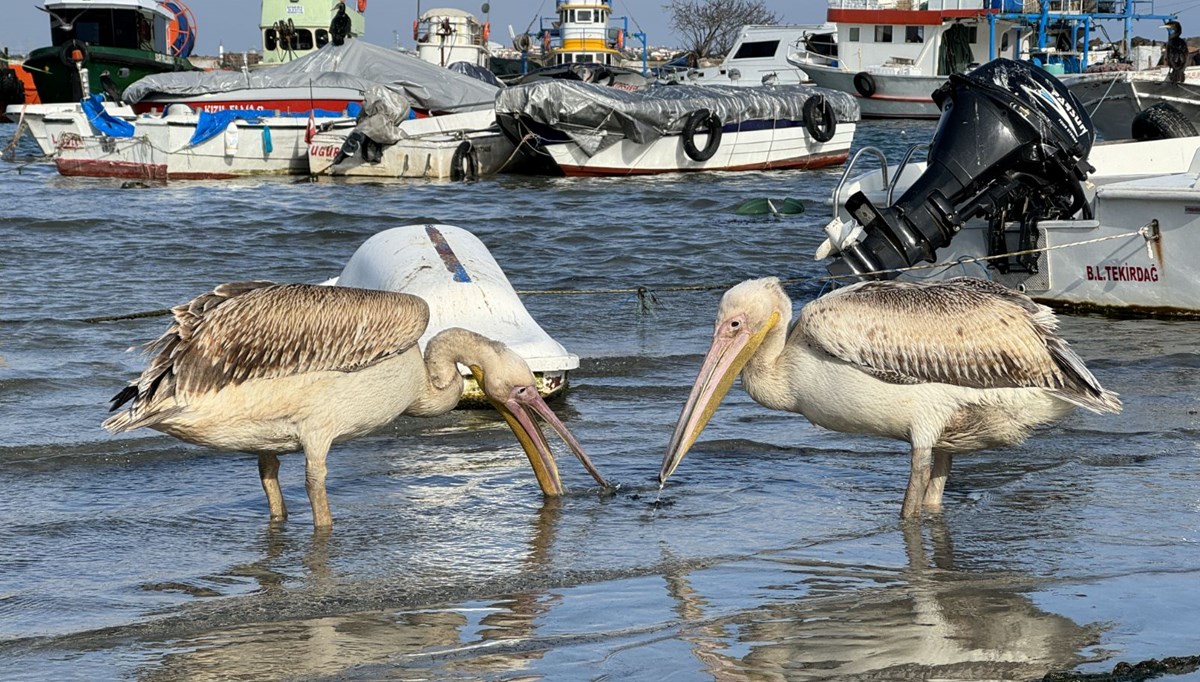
(428, 641)
(950, 367)
(926, 621)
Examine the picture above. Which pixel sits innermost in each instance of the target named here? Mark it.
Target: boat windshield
(123, 28)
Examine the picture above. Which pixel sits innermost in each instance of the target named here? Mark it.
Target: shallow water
(776, 551)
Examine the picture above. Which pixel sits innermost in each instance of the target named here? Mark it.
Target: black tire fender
(864, 83)
(701, 119)
(465, 163)
(1161, 122)
(819, 118)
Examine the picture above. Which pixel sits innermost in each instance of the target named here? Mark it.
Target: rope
(647, 295)
(12, 146)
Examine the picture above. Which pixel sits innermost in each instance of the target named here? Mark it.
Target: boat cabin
(129, 24)
(583, 33)
(447, 35)
(294, 28)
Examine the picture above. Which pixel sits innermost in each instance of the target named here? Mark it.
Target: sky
(234, 23)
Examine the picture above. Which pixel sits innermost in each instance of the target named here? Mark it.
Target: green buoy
(765, 206)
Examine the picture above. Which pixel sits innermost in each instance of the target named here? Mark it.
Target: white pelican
(950, 367)
(274, 368)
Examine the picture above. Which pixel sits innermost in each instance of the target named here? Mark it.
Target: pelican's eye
(735, 324)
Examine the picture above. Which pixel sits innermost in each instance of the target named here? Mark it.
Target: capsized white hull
(456, 274)
(1107, 263)
(160, 150)
(759, 145)
(894, 96)
(447, 146)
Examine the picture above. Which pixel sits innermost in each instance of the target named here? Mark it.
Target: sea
(775, 552)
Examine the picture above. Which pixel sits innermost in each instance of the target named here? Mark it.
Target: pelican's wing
(965, 332)
(259, 330)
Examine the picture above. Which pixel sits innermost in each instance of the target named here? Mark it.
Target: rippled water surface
(775, 553)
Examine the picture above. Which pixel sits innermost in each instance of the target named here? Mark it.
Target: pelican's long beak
(732, 347)
(518, 410)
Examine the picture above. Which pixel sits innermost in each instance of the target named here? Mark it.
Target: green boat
(110, 44)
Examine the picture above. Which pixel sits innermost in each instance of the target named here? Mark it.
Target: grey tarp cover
(595, 116)
(356, 64)
(383, 112)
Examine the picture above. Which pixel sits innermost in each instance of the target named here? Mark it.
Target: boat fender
(819, 118)
(487, 31)
(69, 48)
(1161, 122)
(416, 32)
(362, 6)
(465, 164)
(697, 120)
(268, 146)
(864, 83)
(231, 139)
(620, 39)
(546, 41)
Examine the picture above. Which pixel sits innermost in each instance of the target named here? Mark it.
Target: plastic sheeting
(104, 122)
(595, 116)
(383, 112)
(356, 65)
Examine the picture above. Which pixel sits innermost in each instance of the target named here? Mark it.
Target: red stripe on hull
(814, 161)
(87, 168)
(901, 16)
(266, 106)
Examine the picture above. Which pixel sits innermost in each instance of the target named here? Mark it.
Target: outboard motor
(1012, 143)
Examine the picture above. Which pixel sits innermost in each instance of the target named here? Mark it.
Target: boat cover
(356, 65)
(595, 116)
(102, 121)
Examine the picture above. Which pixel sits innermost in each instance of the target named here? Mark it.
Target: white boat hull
(464, 286)
(47, 123)
(1098, 264)
(160, 151)
(754, 148)
(895, 96)
(429, 148)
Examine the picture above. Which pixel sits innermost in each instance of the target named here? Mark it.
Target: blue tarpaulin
(104, 122)
(213, 123)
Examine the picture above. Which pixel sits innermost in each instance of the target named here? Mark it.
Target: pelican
(272, 368)
(951, 367)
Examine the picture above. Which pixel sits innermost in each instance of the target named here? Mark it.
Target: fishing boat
(589, 129)
(1107, 227)
(184, 145)
(465, 287)
(16, 84)
(448, 36)
(586, 32)
(456, 146)
(768, 54)
(292, 29)
(106, 45)
(892, 54)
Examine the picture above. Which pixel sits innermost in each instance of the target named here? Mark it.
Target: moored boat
(588, 129)
(106, 45)
(447, 35)
(292, 29)
(465, 287)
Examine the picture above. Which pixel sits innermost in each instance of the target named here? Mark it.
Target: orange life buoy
(487, 31)
(362, 6)
(620, 39)
(546, 41)
(415, 24)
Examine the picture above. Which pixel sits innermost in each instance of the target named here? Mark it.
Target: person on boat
(339, 28)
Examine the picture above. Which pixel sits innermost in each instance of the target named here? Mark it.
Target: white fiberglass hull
(894, 96)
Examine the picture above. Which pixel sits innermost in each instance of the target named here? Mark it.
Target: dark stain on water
(775, 552)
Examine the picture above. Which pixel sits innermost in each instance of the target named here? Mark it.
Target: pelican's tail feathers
(1081, 386)
(129, 420)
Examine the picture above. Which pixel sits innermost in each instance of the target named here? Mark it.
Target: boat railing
(883, 169)
(911, 4)
(913, 149)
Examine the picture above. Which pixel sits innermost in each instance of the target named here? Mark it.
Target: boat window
(584, 16)
(303, 39)
(883, 34)
(118, 28)
(270, 40)
(322, 37)
(757, 49)
(853, 34)
(914, 34)
(973, 35)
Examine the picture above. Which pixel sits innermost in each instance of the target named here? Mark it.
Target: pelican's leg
(268, 471)
(314, 481)
(918, 481)
(937, 480)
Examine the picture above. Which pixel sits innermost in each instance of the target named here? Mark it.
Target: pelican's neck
(769, 375)
(444, 383)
